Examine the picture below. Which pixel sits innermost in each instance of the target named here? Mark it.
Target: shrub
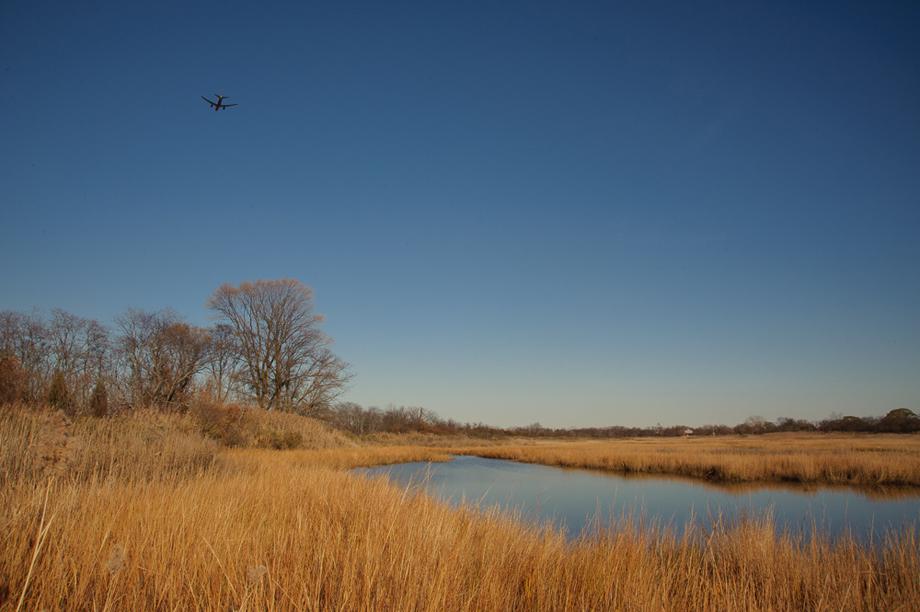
(12, 380)
(221, 423)
(235, 425)
(281, 440)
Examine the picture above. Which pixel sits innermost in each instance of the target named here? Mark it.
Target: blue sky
(572, 213)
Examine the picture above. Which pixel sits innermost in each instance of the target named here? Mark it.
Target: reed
(875, 460)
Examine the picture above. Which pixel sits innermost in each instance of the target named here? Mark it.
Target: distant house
(688, 432)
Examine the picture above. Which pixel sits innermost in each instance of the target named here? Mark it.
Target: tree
(59, 393)
(351, 417)
(221, 364)
(162, 354)
(66, 339)
(284, 358)
(13, 380)
(78, 349)
(99, 400)
(26, 338)
(899, 420)
(96, 359)
(754, 425)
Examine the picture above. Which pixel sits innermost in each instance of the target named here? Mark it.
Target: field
(147, 512)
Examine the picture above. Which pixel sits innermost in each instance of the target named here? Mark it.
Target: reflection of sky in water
(572, 497)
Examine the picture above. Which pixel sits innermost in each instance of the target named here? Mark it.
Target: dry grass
(440, 440)
(41, 444)
(877, 460)
(143, 444)
(254, 529)
(241, 426)
(301, 537)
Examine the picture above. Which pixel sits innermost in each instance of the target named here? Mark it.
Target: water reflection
(572, 498)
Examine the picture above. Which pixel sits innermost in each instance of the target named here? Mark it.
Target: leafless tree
(221, 364)
(285, 359)
(352, 417)
(66, 336)
(9, 333)
(70, 340)
(98, 348)
(162, 355)
(26, 338)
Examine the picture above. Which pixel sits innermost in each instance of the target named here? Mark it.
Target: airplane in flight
(219, 105)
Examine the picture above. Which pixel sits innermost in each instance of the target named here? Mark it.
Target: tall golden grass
(40, 444)
(257, 529)
(146, 443)
(878, 460)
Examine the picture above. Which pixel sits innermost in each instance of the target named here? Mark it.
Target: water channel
(573, 499)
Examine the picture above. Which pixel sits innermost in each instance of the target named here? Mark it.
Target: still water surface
(572, 498)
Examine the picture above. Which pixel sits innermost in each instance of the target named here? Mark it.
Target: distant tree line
(265, 348)
(401, 419)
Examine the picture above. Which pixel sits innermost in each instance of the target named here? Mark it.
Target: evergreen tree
(59, 394)
(99, 401)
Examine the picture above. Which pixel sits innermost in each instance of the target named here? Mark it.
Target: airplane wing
(208, 101)
(228, 105)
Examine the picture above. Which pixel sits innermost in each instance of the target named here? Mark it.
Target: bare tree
(162, 355)
(80, 350)
(221, 364)
(66, 335)
(26, 338)
(323, 383)
(285, 360)
(97, 354)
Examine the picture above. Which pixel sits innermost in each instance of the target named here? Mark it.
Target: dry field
(874, 460)
(144, 513)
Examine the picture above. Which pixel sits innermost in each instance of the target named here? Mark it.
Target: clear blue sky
(572, 213)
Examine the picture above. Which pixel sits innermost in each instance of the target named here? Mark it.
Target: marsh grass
(45, 444)
(143, 444)
(874, 460)
(256, 529)
(301, 537)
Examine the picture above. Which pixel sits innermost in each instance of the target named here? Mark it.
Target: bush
(12, 380)
(281, 440)
(234, 425)
(221, 423)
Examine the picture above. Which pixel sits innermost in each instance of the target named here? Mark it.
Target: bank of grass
(38, 443)
(873, 460)
(442, 440)
(260, 529)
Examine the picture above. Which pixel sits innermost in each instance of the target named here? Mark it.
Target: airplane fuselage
(217, 106)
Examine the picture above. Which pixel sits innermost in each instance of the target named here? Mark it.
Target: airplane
(219, 105)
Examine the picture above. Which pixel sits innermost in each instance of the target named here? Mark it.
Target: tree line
(401, 419)
(266, 348)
